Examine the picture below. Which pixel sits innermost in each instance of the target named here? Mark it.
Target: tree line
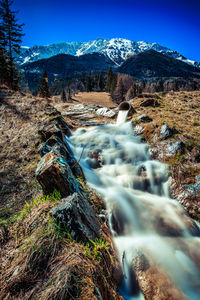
(120, 86)
(11, 34)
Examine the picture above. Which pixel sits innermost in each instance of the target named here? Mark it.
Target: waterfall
(121, 118)
(143, 218)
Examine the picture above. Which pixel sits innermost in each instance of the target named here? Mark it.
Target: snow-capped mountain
(117, 49)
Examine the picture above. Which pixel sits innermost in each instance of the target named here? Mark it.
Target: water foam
(136, 194)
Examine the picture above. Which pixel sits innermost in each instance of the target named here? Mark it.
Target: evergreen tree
(88, 84)
(3, 57)
(109, 79)
(43, 89)
(100, 83)
(63, 95)
(13, 37)
(69, 98)
(113, 83)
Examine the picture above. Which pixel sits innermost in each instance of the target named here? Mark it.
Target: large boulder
(53, 172)
(50, 144)
(75, 214)
(55, 145)
(153, 280)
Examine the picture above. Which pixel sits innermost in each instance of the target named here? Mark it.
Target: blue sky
(171, 23)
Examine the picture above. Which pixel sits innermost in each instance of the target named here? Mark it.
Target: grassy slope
(179, 110)
(37, 260)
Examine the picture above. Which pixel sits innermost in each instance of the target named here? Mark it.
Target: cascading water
(122, 115)
(142, 217)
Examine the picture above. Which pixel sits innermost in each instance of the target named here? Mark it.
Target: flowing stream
(141, 214)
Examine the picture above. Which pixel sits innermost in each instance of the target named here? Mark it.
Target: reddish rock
(53, 172)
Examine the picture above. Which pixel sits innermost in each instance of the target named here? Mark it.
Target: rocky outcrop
(78, 217)
(58, 170)
(56, 146)
(53, 172)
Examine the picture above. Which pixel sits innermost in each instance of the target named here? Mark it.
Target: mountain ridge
(150, 64)
(116, 49)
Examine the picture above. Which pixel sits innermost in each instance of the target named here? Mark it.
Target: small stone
(174, 148)
(106, 112)
(165, 132)
(138, 129)
(144, 118)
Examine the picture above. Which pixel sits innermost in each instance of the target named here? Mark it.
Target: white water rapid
(142, 217)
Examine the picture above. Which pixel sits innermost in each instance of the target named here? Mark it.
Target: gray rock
(140, 261)
(80, 112)
(50, 144)
(51, 110)
(138, 129)
(165, 132)
(62, 125)
(106, 112)
(47, 130)
(174, 148)
(144, 118)
(76, 215)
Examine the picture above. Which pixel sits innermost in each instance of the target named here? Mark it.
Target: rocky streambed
(145, 274)
(82, 220)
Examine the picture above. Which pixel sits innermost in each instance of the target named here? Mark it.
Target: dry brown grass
(90, 98)
(41, 262)
(36, 260)
(179, 110)
(95, 98)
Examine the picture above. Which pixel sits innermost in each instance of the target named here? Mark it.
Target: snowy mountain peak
(117, 49)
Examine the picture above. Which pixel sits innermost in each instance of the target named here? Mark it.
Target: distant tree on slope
(63, 95)
(12, 32)
(109, 78)
(3, 58)
(111, 81)
(124, 83)
(119, 91)
(131, 92)
(88, 84)
(100, 83)
(69, 97)
(43, 89)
